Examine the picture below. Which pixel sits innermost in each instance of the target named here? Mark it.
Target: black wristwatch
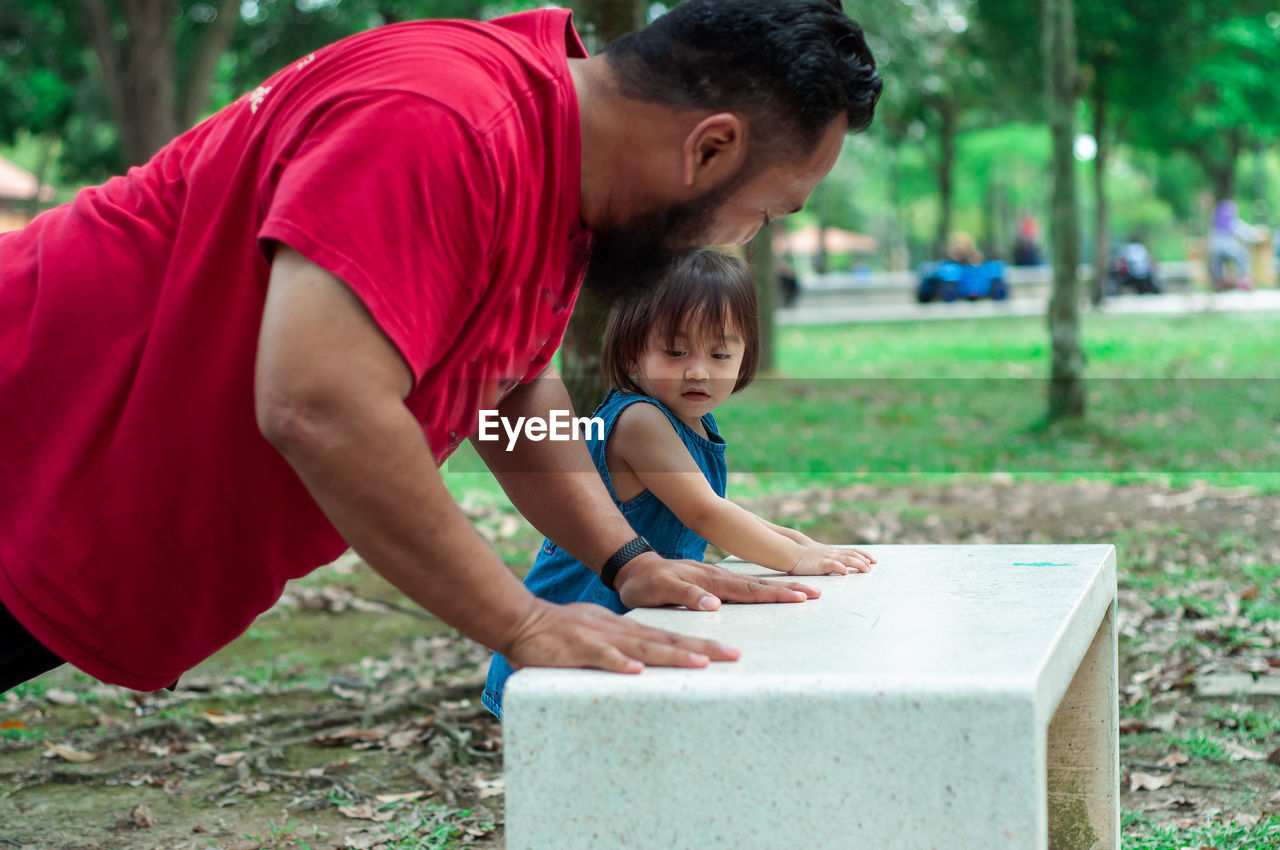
(621, 558)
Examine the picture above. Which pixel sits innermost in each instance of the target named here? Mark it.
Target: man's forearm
(555, 484)
(329, 391)
(373, 476)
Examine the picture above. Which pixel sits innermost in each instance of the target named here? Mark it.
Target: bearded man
(223, 369)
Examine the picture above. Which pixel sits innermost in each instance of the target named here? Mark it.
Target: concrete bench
(957, 697)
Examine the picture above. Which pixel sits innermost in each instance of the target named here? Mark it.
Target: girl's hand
(820, 560)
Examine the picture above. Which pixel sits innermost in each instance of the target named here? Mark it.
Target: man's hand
(583, 634)
(651, 581)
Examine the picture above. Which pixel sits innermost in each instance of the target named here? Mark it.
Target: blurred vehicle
(1132, 267)
(946, 280)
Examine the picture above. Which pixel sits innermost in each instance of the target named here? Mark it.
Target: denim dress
(559, 577)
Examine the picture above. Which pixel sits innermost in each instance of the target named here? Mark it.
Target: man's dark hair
(798, 63)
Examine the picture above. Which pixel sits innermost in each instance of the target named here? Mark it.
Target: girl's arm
(645, 444)
(804, 540)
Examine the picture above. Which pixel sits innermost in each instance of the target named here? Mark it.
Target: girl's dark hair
(789, 66)
(703, 292)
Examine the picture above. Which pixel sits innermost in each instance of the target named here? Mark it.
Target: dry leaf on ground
(71, 754)
(1149, 782)
(366, 811)
(1238, 753)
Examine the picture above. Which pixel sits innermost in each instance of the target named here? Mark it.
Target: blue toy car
(948, 281)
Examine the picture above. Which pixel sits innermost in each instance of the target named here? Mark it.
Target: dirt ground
(345, 720)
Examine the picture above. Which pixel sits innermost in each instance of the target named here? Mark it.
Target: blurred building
(18, 196)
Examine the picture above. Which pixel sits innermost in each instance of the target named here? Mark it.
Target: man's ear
(714, 149)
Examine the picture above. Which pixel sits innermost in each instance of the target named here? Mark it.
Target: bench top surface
(927, 618)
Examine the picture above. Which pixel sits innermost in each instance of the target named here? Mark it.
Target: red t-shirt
(433, 166)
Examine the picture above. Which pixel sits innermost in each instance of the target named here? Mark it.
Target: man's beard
(629, 258)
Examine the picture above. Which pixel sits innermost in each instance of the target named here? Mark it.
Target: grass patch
(1177, 400)
(1142, 832)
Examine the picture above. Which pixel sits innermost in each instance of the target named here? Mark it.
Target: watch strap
(619, 559)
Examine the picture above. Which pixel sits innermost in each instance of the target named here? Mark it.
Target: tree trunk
(899, 252)
(1101, 252)
(139, 79)
(767, 288)
(217, 35)
(946, 167)
(1262, 210)
(1221, 170)
(97, 25)
(1066, 382)
(149, 65)
(599, 21)
(47, 143)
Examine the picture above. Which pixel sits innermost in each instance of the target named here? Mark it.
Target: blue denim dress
(559, 577)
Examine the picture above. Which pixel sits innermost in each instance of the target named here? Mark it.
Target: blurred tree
(1225, 98)
(43, 74)
(766, 274)
(162, 64)
(1062, 87)
(1192, 76)
(1129, 56)
(941, 75)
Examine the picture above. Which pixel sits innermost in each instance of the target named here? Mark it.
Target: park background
(344, 718)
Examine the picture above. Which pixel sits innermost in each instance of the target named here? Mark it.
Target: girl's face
(691, 376)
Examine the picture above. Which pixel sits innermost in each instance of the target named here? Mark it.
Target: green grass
(1177, 400)
(1145, 833)
(1209, 345)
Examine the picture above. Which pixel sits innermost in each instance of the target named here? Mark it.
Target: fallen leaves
(142, 817)
(366, 811)
(218, 718)
(1149, 782)
(389, 737)
(407, 797)
(60, 697)
(1236, 752)
(67, 753)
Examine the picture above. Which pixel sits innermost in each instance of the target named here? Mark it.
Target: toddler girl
(672, 356)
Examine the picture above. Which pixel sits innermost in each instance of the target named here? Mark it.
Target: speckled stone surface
(955, 697)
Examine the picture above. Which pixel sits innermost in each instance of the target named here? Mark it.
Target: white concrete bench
(957, 697)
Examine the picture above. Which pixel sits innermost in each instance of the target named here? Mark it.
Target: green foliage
(1189, 84)
(38, 74)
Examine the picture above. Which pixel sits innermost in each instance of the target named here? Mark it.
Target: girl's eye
(674, 352)
(722, 356)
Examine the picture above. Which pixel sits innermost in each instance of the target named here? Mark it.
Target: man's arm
(329, 391)
(576, 511)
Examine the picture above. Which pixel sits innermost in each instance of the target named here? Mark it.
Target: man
(223, 369)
